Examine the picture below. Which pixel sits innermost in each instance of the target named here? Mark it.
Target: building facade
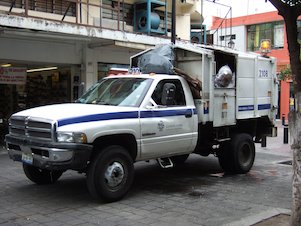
(53, 50)
(247, 32)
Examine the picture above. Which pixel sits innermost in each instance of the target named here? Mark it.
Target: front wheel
(110, 174)
(238, 155)
(41, 176)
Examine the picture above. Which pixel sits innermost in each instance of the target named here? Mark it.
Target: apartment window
(52, 6)
(273, 31)
(49, 6)
(16, 3)
(279, 36)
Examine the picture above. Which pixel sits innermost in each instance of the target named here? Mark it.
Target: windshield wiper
(78, 101)
(101, 102)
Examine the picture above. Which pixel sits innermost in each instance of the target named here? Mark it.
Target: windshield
(128, 92)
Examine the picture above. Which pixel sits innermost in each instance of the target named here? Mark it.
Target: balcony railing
(107, 14)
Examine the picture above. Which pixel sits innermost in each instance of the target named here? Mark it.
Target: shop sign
(13, 75)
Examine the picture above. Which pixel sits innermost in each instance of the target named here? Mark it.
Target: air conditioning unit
(143, 20)
(198, 33)
(196, 37)
(146, 20)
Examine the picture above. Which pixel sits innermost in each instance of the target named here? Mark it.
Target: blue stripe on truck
(124, 115)
(251, 107)
(246, 108)
(98, 117)
(264, 106)
(164, 113)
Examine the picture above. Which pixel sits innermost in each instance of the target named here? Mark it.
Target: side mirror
(152, 105)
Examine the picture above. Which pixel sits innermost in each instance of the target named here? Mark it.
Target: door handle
(188, 114)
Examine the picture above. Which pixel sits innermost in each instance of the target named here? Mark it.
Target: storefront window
(272, 31)
(18, 92)
(47, 88)
(21, 89)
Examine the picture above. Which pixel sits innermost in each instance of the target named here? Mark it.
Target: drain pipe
(173, 22)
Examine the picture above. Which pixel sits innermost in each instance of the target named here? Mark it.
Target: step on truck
(178, 100)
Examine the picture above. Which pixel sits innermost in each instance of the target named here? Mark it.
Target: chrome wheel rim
(114, 175)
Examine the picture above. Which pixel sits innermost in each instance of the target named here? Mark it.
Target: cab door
(167, 126)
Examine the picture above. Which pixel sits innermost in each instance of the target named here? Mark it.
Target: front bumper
(52, 156)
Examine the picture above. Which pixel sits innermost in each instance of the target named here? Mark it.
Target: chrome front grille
(33, 128)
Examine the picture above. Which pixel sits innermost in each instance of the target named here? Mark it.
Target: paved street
(196, 193)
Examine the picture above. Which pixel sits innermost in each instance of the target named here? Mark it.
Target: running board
(165, 163)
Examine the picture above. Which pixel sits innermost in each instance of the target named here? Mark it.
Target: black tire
(41, 176)
(238, 155)
(110, 174)
(179, 159)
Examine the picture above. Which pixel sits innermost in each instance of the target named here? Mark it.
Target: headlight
(71, 137)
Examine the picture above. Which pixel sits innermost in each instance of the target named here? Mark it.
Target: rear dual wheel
(237, 155)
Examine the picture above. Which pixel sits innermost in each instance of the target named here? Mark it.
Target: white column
(89, 67)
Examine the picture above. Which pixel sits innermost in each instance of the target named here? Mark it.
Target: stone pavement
(197, 193)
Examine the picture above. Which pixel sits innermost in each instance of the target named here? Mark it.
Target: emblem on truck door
(161, 126)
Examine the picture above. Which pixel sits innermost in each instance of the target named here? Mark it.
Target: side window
(169, 93)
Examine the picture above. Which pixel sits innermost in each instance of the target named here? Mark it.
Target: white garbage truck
(183, 99)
